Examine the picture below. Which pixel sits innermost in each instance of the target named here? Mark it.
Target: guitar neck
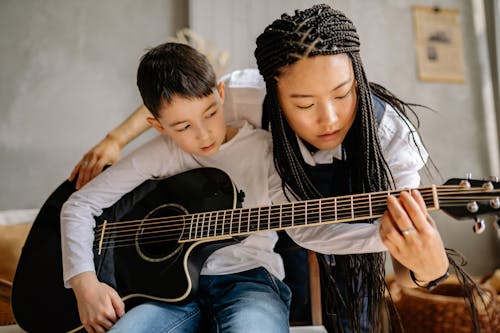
(244, 221)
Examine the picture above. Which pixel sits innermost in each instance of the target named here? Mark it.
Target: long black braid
(321, 30)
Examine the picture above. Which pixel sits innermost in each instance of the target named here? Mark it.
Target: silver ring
(408, 231)
(85, 163)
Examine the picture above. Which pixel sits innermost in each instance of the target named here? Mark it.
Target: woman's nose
(328, 114)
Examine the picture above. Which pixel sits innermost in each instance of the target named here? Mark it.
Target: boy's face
(196, 125)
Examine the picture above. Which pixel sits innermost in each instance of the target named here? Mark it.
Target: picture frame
(438, 44)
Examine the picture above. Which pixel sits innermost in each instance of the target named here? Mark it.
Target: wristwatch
(432, 284)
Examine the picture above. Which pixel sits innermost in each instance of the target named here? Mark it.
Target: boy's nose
(203, 133)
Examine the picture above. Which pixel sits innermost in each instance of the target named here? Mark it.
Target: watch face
(431, 284)
(436, 282)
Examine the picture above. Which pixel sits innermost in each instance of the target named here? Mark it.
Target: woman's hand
(412, 238)
(93, 162)
(99, 305)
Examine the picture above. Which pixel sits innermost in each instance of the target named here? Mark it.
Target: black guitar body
(165, 270)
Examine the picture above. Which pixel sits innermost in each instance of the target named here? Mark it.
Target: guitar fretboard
(244, 221)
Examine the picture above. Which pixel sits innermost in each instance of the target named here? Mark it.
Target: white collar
(321, 156)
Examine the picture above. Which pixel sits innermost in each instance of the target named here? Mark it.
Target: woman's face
(318, 97)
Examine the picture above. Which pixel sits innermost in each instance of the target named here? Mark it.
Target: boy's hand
(99, 305)
(412, 238)
(93, 162)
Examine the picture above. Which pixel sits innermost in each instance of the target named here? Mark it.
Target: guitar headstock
(471, 198)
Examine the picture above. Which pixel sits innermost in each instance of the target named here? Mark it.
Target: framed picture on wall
(438, 43)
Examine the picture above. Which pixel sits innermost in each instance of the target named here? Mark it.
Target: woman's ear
(156, 124)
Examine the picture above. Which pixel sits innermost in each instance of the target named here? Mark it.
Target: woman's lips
(329, 135)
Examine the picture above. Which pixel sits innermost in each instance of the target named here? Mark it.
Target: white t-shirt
(246, 158)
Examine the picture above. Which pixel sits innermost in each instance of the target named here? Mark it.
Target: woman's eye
(305, 107)
(345, 95)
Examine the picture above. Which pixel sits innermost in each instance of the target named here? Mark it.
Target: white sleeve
(405, 155)
(78, 212)
(402, 149)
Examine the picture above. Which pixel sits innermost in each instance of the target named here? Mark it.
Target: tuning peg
(495, 203)
(473, 207)
(496, 222)
(478, 226)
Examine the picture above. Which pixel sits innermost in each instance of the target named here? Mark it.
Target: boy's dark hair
(173, 69)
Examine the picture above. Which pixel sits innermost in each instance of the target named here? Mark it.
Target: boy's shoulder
(248, 132)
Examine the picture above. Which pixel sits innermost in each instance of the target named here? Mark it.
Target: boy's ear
(220, 89)
(156, 124)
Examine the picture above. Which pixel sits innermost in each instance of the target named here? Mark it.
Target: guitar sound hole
(157, 238)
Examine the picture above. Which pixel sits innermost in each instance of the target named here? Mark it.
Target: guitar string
(271, 225)
(377, 195)
(325, 204)
(297, 214)
(342, 203)
(159, 238)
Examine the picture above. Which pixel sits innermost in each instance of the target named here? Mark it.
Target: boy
(179, 86)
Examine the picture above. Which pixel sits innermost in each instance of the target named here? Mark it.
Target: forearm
(340, 238)
(131, 127)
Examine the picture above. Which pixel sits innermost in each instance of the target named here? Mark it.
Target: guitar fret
(258, 220)
(269, 218)
(370, 204)
(352, 207)
(335, 207)
(209, 223)
(196, 227)
(191, 227)
(215, 223)
(320, 217)
(202, 223)
(248, 221)
(222, 225)
(305, 213)
(239, 223)
(281, 213)
(231, 222)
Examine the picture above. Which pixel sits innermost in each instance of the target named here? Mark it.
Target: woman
(333, 133)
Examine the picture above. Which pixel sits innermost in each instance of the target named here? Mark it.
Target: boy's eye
(211, 114)
(183, 128)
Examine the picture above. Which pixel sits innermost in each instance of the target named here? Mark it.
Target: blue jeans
(251, 301)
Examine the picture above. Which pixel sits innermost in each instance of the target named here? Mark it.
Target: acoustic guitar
(166, 229)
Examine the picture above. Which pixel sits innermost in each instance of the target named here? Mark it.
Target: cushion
(12, 238)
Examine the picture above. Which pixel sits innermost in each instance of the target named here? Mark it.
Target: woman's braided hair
(321, 30)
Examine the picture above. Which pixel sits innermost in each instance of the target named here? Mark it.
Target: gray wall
(68, 76)
(454, 133)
